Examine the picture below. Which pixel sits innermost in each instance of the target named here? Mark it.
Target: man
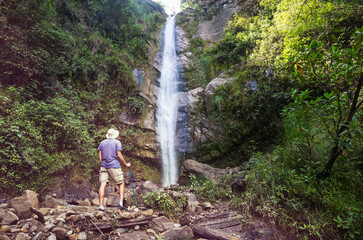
(109, 154)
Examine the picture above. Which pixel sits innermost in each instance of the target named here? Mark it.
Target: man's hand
(128, 165)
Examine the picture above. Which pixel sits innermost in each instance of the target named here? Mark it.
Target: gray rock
(32, 197)
(113, 200)
(52, 237)
(22, 236)
(204, 170)
(179, 233)
(148, 187)
(49, 227)
(86, 202)
(161, 224)
(50, 202)
(9, 218)
(82, 236)
(214, 84)
(21, 205)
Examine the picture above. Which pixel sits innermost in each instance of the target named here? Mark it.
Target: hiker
(109, 154)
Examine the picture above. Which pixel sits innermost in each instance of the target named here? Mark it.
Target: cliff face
(197, 27)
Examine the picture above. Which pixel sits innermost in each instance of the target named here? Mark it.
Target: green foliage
(67, 75)
(172, 206)
(206, 190)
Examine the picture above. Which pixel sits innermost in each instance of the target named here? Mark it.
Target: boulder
(161, 224)
(21, 206)
(113, 200)
(32, 197)
(179, 233)
(50, 202)
(9, 218)
(86, 203)
(204, 170)
(148, 187)
(214, 84)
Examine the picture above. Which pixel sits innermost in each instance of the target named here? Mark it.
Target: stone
(149, 213)
(61, 233)
(82, 236)
(9, 218)
(137, 227)
(73, 236)
(179, 233)
(72, 218)
(22, 236)
(35, 226)
(124, 215)
(96, 201)
(204, 170)
(86, 203)
(52, 237)
(44, 211)
(49, 227)
(4, 237)
(120, 230)
(21, 205)
(32, 197)
(50, 202)
(192, 203)
(148, 187)
(151, 232)
(113, 200)
(4, 229)
(2, 213)
(214, 84)
(161, 224)
(206, 205)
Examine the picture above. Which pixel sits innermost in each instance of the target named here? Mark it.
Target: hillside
(70, 70)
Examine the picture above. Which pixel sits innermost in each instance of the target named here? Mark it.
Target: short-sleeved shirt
(109, 148)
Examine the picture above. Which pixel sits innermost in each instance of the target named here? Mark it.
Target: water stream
(167, 105)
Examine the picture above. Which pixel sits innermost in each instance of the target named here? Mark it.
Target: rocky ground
(73, 214)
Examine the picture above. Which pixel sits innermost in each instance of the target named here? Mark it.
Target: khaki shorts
(116, 174)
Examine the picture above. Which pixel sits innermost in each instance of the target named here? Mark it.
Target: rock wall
(209, 22)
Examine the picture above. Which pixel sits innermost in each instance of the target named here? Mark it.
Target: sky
(170, 6)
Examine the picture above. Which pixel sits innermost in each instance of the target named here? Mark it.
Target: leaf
(295, 191)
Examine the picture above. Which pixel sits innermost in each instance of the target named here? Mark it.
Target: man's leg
(101, 193)
(121, 189)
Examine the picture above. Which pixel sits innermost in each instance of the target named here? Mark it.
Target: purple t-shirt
(109, 148)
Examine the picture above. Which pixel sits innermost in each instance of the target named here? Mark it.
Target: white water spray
(168, 105)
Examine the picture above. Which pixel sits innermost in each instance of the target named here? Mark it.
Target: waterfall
(167, 105)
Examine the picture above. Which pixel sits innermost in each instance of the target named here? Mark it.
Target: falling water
(168, 105)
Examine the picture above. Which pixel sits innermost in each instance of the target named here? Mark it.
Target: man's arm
(100, 156)
(121, 158)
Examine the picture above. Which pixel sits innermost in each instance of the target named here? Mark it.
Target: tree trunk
(336, 151)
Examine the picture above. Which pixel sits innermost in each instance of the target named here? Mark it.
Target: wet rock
(32, 197)
(161, 224)
(9, 218)
(21, 205)
(179, 233)
(204, 170)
